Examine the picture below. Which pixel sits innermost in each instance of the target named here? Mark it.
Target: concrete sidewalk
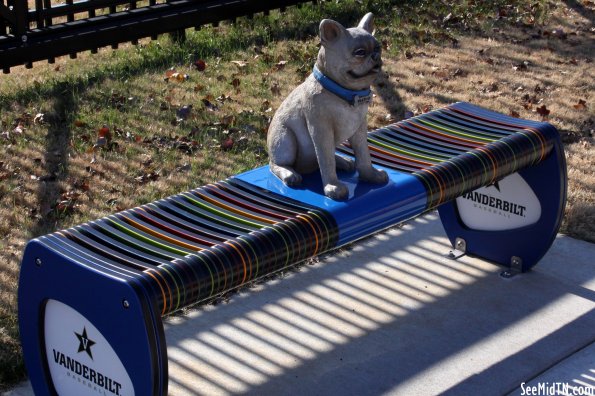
(391, 315)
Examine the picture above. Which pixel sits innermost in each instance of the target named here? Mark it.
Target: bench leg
(84, 331)
(514, 221)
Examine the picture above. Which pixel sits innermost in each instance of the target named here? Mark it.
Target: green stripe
(210, 273)
(163, 267)
(454, 131)
(284, 241)
(406, 152)
(146, 239)
(485, 171)
(462, 176)
(222, 213)
(496, 135)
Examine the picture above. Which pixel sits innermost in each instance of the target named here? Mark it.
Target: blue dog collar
(354, 98)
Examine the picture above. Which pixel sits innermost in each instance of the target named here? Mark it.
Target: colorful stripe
(201, 243)
(204, 242)
(458, 149)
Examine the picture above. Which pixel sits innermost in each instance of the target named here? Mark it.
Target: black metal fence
(44, 29)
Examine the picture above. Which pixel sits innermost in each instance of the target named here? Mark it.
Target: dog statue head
(350, 57)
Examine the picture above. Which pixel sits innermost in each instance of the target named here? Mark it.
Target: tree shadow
(581, 9)
(56, 159)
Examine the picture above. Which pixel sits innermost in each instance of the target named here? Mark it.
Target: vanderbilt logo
(84, 373)
(85, 343)
(495, 203)
(92, 376)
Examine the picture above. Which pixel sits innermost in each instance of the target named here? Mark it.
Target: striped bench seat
(498, 182)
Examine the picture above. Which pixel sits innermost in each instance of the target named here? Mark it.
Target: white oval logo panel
(506, 205)
(80, 359)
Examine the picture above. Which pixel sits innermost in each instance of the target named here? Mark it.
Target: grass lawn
(81, 139)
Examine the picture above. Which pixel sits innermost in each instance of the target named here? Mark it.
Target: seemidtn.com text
(556, 388)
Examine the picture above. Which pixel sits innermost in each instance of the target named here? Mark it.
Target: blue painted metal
(50, 270)
(548, 180)
(369, 207)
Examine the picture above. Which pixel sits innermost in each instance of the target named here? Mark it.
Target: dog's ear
(367, 23)
(330, 31)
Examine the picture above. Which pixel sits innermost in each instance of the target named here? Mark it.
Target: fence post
(21, 25)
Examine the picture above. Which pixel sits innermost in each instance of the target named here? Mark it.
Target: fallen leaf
(147, 177)
(223, 98)
(265, 105)
(543, 111)
(82, 184)
(227, 120)
(581, 105)
(179, 77)
(275, 89)
(200, 65)
(280, 65)
(169, 73)
(208, 105)
(459, 73)
(240, 64)
(514, 114)
(39, 118)
(227, 144)
(236, 82)
(19, 129)
(573, 61)
(521, 66)
(104, 133)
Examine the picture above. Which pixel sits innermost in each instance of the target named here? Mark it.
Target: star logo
(496, 185)
(85, 342)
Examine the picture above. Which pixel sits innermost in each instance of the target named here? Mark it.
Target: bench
(91, 298)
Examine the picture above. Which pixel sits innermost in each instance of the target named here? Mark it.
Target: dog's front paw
(287, 175)
(338, 191)
(373, 175)
(292, 179)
